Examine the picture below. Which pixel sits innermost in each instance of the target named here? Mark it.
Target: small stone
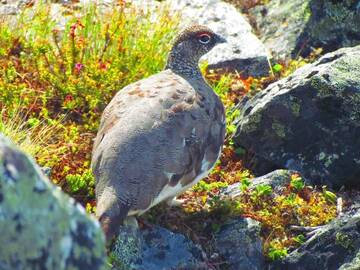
(156, 248)
(278, 180)
(239, 243)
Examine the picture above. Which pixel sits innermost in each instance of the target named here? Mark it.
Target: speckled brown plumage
(158, 136)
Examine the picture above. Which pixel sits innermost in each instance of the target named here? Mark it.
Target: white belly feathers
(169, 192)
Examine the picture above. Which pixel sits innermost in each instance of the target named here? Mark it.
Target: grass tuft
(33, 136)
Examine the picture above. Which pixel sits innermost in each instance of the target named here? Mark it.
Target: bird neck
(183, 66)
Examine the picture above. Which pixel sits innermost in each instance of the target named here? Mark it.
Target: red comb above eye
(203, 34)
(204, 38)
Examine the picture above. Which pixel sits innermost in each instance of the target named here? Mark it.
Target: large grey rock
(334, 245)
(293, 27)
(8, 10)
(41, 227)
(155, 248)
(12, 7)
(244, 52)
(310, 121)
(239, 243)
(278, 180)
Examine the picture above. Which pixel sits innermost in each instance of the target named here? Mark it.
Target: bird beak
(220, 39)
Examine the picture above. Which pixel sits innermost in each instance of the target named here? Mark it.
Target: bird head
(192, 43)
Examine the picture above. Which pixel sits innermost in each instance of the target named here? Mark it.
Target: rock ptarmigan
(158, 136)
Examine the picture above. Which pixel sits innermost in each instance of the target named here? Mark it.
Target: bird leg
(174, 202)
(131, 221)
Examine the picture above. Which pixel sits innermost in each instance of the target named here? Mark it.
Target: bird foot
(131, 221)
(144, 225)
(174, 202)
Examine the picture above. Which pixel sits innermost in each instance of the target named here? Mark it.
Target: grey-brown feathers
(157, 137)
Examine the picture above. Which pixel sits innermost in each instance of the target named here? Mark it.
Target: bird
(158, 136)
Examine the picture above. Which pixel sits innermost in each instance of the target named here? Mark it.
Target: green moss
(295, 108)
(306, 11)
(279, 129)
(347, 69)
(127, 248)
(253, 122)
(322, 156)
(27, 200)
(327, 159)
(321, 86)
(344, 240)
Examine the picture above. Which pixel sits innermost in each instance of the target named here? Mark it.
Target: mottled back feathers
(158, 136)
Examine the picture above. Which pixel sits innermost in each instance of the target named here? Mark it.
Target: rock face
(292, 27)
(42, 228)
(239, 243)
(243, 52)
(8, 10)
(334, 245)
(310, 121)
(155, 249)
(12, 7)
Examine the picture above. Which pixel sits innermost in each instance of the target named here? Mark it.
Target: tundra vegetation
(56, 79)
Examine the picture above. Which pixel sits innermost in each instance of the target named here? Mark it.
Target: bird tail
(111, 213)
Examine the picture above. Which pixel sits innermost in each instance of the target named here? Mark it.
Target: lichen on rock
(319, 137)
(42, 228)
(295, 27)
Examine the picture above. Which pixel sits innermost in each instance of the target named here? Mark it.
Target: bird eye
(204, 38)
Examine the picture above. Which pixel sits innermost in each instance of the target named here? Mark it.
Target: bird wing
(156, 132)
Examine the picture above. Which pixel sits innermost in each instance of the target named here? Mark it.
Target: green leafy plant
(277, 253)
(231, 116)
(82, 182)
(244, 184)
(300, 239)
(262, 190)
(296, 182)
(277, 68)
(204, 186)
(329, 196)
(290, 199)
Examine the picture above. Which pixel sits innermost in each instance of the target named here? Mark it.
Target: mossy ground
(54, 84)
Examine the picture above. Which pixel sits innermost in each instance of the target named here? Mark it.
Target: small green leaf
(245, 183)
(33, 122)
(263, 190)
(329, 196)
(297, 183)
(277, 68)
(300, 239)
(277, 254)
